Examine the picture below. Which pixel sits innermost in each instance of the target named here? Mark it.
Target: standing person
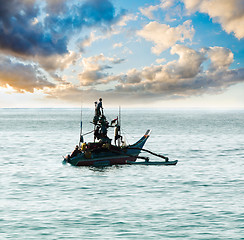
(95, 108)
(96, 117)
(116, 134)
(99, 108)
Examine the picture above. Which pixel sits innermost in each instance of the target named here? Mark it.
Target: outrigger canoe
(103, 153)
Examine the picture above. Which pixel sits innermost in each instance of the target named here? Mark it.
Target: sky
(152, 54)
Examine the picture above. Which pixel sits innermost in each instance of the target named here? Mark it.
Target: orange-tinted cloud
(22, 77)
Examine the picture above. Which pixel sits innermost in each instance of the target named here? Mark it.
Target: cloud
(94, 68)
(19, 34)
(148, 11)
(220, 57)
(164, 36)
(117, 45)
(30, 29)
(230, 14)
(37, 36)
(160, 60)
(126, 18)
(67, 92)
(22, 77)
(55, 62)
(188, 64)
(184, 77)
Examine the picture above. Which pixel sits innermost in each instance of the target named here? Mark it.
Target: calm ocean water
(200, 198)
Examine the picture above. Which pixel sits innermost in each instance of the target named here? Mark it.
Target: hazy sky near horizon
(158, 53)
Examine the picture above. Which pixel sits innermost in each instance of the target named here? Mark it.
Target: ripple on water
(199, 198)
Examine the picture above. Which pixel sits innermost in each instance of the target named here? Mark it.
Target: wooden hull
(106, 162)
(108, 157)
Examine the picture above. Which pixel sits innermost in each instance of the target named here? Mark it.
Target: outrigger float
(103, 153)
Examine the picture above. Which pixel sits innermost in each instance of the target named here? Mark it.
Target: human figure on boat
(99, 108)
(96, 117)
(75, 152)
(97, 133)
(104, 129)
(117, 136)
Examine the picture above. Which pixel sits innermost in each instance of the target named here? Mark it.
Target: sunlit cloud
(184, 77)
(160, 60)
(180, 78)
(126, 18)
(230, 14)
(117, 45)
(22, 77)
(148, 11)
(220, 57)
(94, 69)
(60, 49)
(164, 36)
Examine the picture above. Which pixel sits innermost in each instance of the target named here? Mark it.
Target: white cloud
(126, 18)
(94, 67)
(164, 36)
(55, 62)
(117, 45)
(229, 13)
(160, 60)
(184, 77)
(188, 64)
(220, 57)
(148, 11)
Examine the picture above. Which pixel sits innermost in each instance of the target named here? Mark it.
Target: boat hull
(106, 162)
(109, 157)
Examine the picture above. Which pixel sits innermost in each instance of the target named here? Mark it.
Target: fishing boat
(101, 152)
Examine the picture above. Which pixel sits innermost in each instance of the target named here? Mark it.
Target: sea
(202, 197)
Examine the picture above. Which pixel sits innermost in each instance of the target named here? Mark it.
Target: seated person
(75, 152)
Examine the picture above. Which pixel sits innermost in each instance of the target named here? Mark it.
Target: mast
(81, 136)
(119, 121)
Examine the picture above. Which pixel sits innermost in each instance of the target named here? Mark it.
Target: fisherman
(99, 108)
(116, 134)
(75, 152)
(104, 127)
(95, 108)
(97, 133)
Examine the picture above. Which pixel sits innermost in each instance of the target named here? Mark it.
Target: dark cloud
(22, 77)
(21, 32)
